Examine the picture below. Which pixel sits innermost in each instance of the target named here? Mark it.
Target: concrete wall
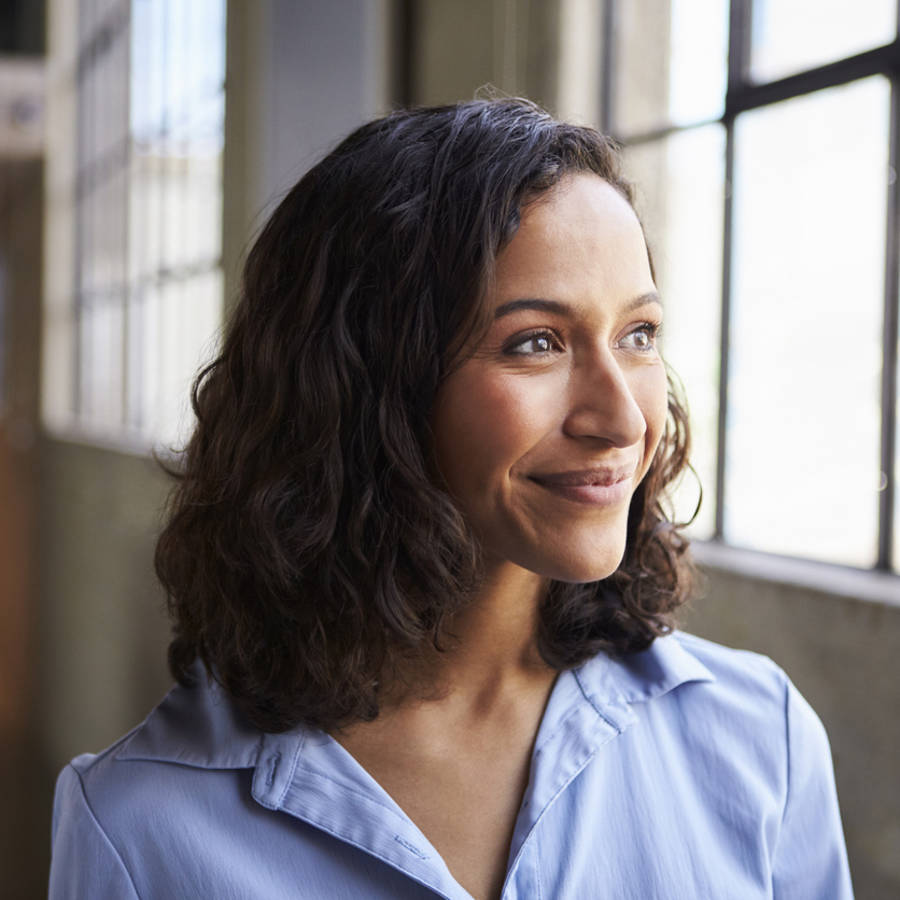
(99, 629)
(103, 630)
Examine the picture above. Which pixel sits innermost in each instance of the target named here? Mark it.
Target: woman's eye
(644, 337)
(539, 342)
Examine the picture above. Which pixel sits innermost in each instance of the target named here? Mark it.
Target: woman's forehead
(581, 232)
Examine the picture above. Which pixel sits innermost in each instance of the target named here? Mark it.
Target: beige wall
(98, 635)
(103, 630)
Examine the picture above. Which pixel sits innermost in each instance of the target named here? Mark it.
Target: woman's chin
(582, 568)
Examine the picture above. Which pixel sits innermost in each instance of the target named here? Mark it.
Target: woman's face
(545, 431)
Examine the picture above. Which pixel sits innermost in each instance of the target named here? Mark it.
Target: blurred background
(142, 143)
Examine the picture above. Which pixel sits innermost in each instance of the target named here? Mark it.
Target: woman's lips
(593, 487)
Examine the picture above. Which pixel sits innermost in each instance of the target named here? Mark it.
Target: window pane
(101, 376)
(671, 63)
(177, 126)
(792, 35)
(679, 198)
(149, 334)
(147, 71)
(100, 236)
(804, 403)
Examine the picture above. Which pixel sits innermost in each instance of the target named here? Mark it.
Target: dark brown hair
(308, 546)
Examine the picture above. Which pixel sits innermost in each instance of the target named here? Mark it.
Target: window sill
(842, 581)
(127, 442)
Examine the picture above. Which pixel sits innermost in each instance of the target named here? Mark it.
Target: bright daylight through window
(141, 194)
(763, 135)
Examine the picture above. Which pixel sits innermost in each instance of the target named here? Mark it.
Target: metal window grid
(109, 149)
(744, 94)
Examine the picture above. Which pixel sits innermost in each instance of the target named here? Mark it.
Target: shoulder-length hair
(308, 545)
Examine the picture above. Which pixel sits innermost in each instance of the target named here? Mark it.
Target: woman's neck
(489, 647)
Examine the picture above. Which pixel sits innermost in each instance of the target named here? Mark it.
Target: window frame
(742, 95)
(134, 421)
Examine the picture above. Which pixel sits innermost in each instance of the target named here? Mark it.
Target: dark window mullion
(749, 95)
(404, 69)
(739, 26)
(887, 496)
(743, 95)
(724, 331)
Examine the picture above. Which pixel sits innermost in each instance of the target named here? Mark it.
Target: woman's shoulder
(682, 680)
(143, 800)
(192, 730)
(734, 667)
(741, 694)
(759, 741)
(730, 763)
(679, 660)
(749, 678)
(708, 701)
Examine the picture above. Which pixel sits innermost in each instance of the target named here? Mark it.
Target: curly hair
(308, 545)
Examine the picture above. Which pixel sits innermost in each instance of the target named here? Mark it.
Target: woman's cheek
(654, 402)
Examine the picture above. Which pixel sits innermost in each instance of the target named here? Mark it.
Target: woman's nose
(603, 405)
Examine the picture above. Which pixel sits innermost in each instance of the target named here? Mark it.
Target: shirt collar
(640, 677)
(200, 726)
(307, 774)
(195, 726)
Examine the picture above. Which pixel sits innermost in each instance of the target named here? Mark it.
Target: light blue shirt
(685, 772)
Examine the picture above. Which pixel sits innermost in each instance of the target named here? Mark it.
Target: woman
(421, 578)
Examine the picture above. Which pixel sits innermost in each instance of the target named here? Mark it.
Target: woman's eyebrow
(564, 309)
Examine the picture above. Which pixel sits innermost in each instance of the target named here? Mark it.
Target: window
(145, 187)
(760, 135)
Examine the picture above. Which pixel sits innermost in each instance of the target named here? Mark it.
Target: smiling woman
(572, 390)
(421, 575)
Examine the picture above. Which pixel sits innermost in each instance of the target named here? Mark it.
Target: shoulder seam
(102, 830)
